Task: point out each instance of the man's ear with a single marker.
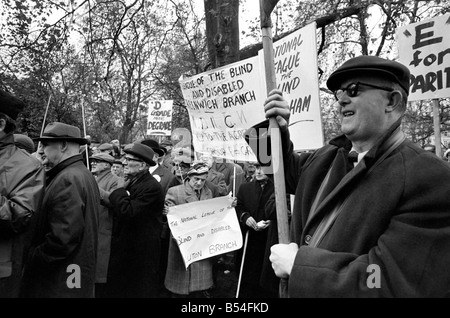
(2, 124)
(395, 100)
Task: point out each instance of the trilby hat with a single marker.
(103, 156)
(141, 151)
(154, 145)
(59, 131)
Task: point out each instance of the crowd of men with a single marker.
(370, 215)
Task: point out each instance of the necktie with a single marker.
(353, 156)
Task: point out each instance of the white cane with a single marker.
(242, 264)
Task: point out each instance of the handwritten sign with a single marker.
(160, 117)
(222, 105)
(425, 48)
(295, 58)
(205, 228)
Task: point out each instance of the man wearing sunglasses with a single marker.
(137, 224)
(378, 226)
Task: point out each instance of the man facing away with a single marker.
(22, 184)
(378, 226)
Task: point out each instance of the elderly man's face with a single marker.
(99, 166)
(133, 165)
(197, 182)
(51, 153)
(363, 117)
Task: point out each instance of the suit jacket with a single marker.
(395, 215)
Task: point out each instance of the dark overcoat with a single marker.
(64, 247)
(136, 238)
(393, 225)
(251, 202)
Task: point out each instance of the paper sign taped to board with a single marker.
(204, 229)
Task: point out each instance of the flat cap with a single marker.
(24, 142)
(103, 156)
(105, 147)
(10, 105)
(366, 64)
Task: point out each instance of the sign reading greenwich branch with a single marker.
(424, 47)
(205, 229)
(222, 105)
(159, 117)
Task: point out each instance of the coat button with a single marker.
(307, 239)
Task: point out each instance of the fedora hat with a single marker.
(371, 65)
(141, 151)
(59, 131)
(154, 145)
(103, 156)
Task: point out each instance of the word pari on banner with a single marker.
(424, 47)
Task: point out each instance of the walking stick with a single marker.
(242, 264)
(85, 135)
(45, 118)
(266, 7)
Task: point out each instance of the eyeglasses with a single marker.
(132, 159)
(353, 88)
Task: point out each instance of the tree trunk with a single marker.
(222, 31)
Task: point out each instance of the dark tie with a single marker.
(353, 156)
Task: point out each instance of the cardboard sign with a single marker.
(424, 47)
(296, 70)
(205, 228)
(222, 105)
(160, 117)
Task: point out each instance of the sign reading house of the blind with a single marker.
(222, 105)
(425, 48)
(160, 117)
(295, 58)
(205, 229)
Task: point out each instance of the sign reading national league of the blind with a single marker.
(295, 58)
(424, 47)
(159, 117)
(203, 229)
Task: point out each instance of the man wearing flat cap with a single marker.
(101, 169)
(22, 184)
(371, 215)
(137, 223)
(197, 279)
(62, 257)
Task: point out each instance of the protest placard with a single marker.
(159, 117)
(425, 48)
(222, 105)
(296, 71)
(205, 228)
